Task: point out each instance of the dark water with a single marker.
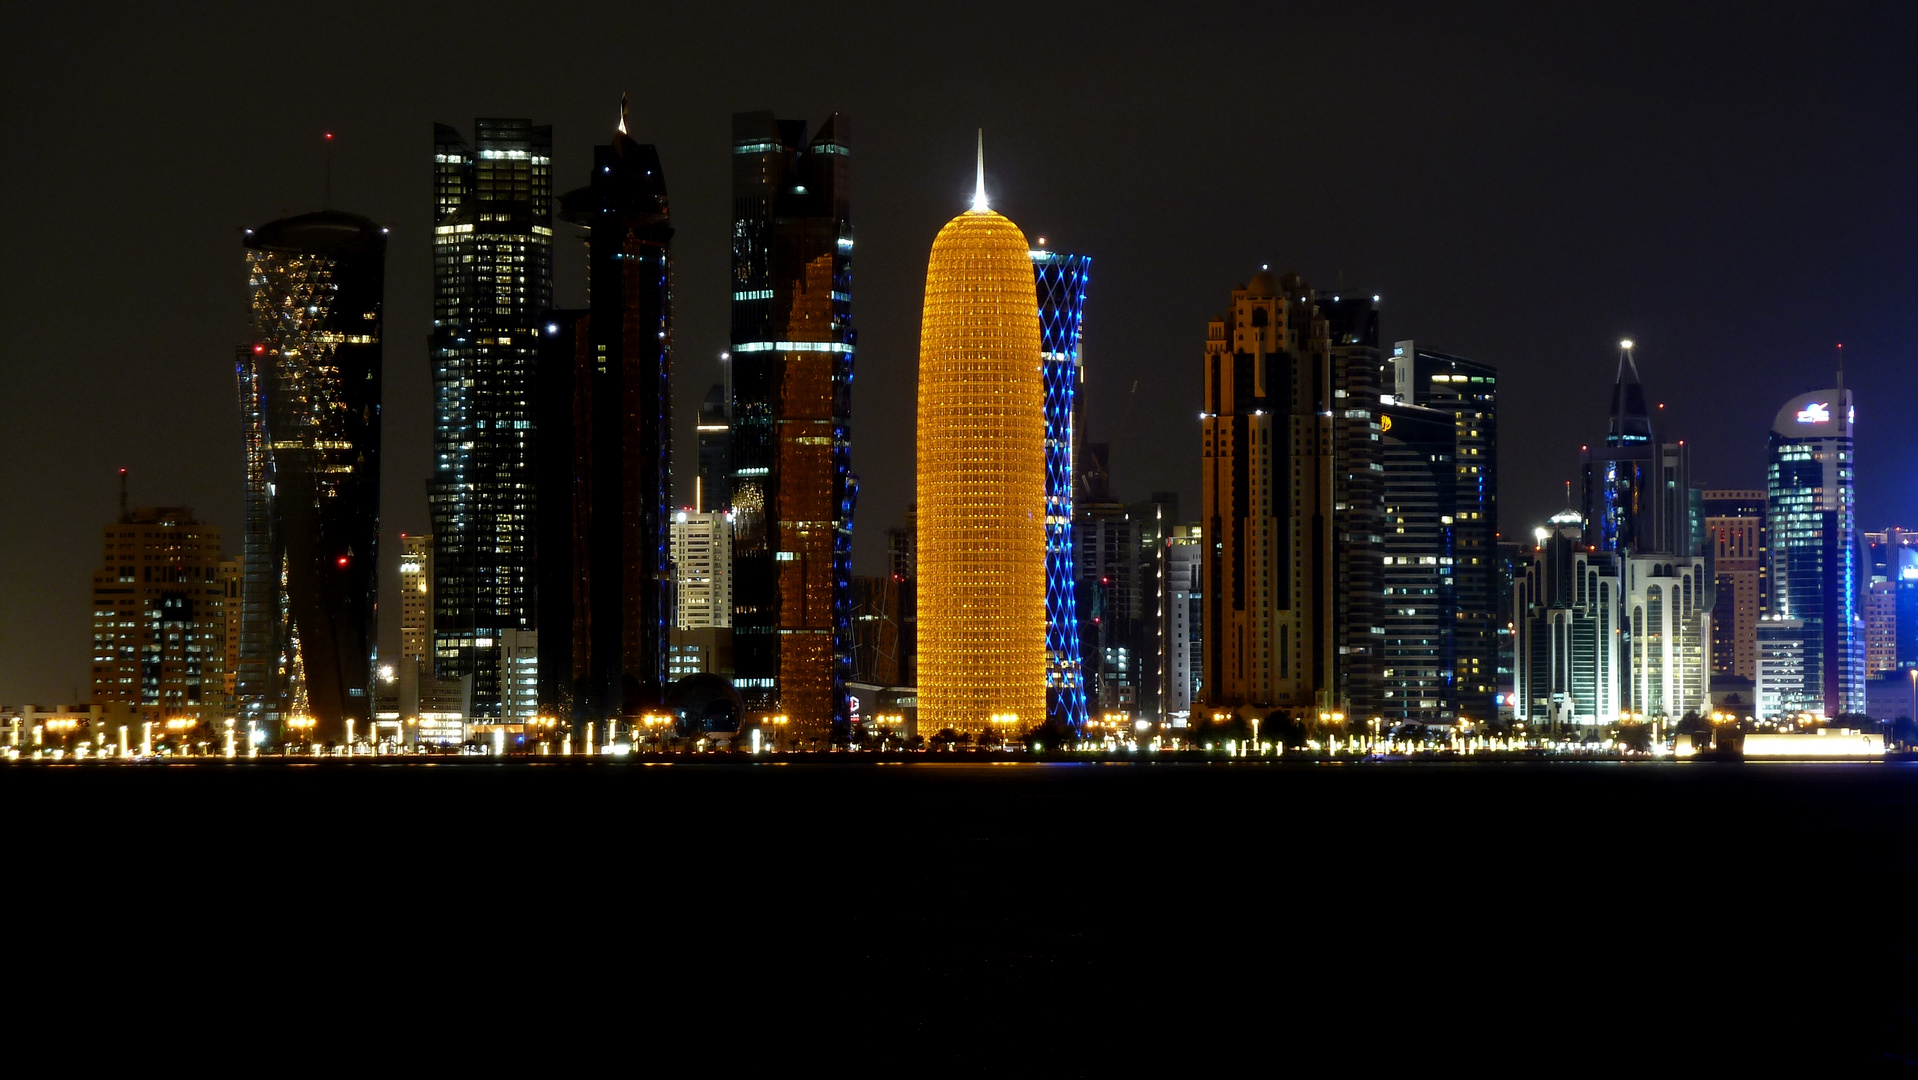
(1097, 917)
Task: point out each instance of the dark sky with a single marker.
(1733, 187)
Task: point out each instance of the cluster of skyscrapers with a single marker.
(1656, 599)
(1345, 564)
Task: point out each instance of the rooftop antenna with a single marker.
(1568, 494)
(979, 192)
(1841, 374)
(622, 114)
(125, 515)
(327, 203)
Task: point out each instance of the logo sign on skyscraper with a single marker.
(1815, 412)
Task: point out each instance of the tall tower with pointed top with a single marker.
(605, 450)
(982, 481)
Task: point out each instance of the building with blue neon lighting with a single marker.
(1813, 539)
(793, 491)
(1061, 281)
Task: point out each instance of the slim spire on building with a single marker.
(982, 481)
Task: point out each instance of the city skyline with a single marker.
(1545, 337)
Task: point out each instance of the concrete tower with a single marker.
(982, 483)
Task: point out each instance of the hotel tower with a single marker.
(982, 481)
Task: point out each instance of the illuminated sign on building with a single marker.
(1816, 412)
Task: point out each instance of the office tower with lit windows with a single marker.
(492, 279)
(160, 617)
(1267, 483)
(1358, 497)
(310, 411)
(703, 568)
(715, 431)
(793, 491)
(1813, 551)
(982, 481)
(605, 451)
(1419, 593)
(1468, 391)
(1735, 533)
(1061, 279)
(1569, 662)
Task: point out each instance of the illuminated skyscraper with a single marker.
(982, 481)
(793, 491)
(703, 569)
(1061, 282)
(310, 409)
(1267, 572)
(1813, 536)
(605, 569)
(492, 278)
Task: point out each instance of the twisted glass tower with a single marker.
(982, 481)
(310, 402)
(1061, 283)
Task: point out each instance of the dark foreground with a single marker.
(1094, 917)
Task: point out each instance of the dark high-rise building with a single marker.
(1358, 494)
(1813, 536)
(1268, 573)
(1468, 390)
(1061, 282)
(715, 450)
(792, 360)
(1420, 597)
(492, 280)
(605, 450)
(310, 409)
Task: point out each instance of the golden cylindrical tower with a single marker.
(982, 541)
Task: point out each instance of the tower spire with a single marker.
(622, 114)
(979, 192)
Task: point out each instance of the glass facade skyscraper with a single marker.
(1061, 282)
(793, 492)
(605, 451)
(310, 411)
(492, 279)
(1812, 535)
(1468, 391)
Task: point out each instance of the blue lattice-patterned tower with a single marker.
(1061, 281)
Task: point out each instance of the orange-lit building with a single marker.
(981, 490)
(792, 363)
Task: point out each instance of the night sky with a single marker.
(1733, 189)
